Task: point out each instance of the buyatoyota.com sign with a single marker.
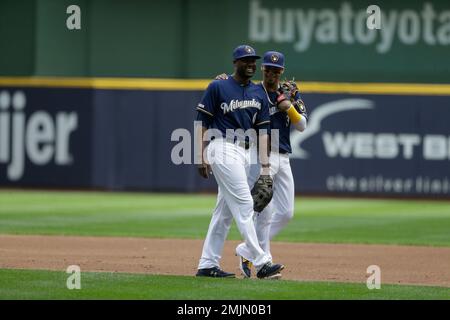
(334, 41)
(303, 26)
(374, 144)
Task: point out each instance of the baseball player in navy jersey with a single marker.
(283, 114)
(234, 105)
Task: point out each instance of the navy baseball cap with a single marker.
(244, 51)
(273, 59)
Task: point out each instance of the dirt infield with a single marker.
(305, 262)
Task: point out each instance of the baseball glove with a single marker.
(262, 192)
(289, 89)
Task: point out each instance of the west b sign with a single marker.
(375, 144)
(369, 145)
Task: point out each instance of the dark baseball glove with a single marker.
(262, 192)
(289, 89)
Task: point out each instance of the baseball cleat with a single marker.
(245, 267)
(269, 270)
(214, 272)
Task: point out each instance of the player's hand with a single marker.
(283, 102)
(204, 170)
(222, 76)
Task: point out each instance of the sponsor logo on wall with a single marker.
(304, 26)
(367, 145)
(40, 137)
(375, 152)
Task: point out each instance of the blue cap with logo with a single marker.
(244, 51)
(273, 59)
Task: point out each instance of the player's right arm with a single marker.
(262, 124)
(205, 116)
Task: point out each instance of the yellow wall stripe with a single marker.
(376, 88)
(201, 84)
(106, 83)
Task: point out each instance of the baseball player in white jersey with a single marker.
(232, 105)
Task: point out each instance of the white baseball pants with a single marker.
(231, 165)
(280, 210)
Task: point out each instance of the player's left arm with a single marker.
(289, 100)
(262, 191)
(300, 108)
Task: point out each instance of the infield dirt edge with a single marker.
(408, 265)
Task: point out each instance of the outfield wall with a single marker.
(116, 134)
(322, 40)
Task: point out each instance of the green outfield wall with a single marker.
(322, 40)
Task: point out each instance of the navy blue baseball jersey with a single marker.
(280, 120)
(226, 104)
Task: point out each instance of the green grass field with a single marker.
(187, 216)
(326, 220)
(32, 284)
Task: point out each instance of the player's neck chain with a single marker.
(267, 95)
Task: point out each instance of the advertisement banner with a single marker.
(354, 144)
(347, 40)
(45, 137)
(374, 144)
(338, 41)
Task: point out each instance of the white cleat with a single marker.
(276, 276)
